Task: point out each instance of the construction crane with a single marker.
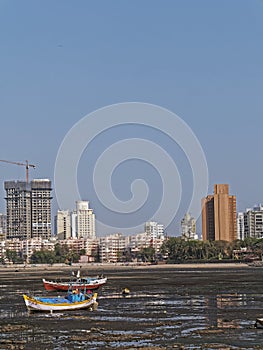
(26, 164)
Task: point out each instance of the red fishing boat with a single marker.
(83, 283)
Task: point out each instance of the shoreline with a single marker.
(111, 266)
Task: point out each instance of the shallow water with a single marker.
(167, 309)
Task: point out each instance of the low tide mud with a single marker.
(167, 308)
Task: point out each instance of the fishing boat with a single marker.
(83, 283)
(259, 323)
(72, 301)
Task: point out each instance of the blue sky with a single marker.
(61, 60)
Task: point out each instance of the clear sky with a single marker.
(202, 60)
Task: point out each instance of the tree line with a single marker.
(177, 250)
(60, 254)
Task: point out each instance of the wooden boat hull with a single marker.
(59, 304)
(60, 286)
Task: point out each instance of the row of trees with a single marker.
(173, 250)
(61, 254)
(177, 250)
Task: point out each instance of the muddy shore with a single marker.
(204, 306)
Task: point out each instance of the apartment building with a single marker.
(240, 226)
(139, 241)
(41, 208)
(2, 226)
(10, 245)
(253, 222)
(84, 225)
(18, 210)
(112, 247)
(219, 215)
(2, 250)
(188, 227)
(25, 248)
(154, 229)
(63, 224)
(28, 209)
(89, 246)
(143, 240)
(28, 247)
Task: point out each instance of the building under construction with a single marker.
(28, 209)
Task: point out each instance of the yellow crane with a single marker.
(26, 164)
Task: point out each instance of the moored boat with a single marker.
(259, 323)
(72, 301)
(84, 283)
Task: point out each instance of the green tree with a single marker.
(147, 254)
(61, 253)
(13, 257)
(43, 256)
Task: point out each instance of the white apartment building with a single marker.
(253, 222)
(2, 250)
(139, 241)
(74, 230)
(112, 247)
(28, 247)
(188, 227)
(63, 224)
(240, 226)
(12, 245)
(144, 240)
(153, 229)
(92, 248)
(84, 225)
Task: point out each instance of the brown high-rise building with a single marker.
(219, 215)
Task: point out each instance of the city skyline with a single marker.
(200, 60)
(80, 222)
(28, 215)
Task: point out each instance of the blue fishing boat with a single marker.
(72, 301)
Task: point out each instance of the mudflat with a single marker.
(200, 306)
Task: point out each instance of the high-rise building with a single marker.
(253, 222)
(240, 226)
(74, 230)
(18, 210)
(2, 225)
(63, 224)
(41, 208)
(188, 227)
(219, 215)
(85, 220)
(28, 209)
